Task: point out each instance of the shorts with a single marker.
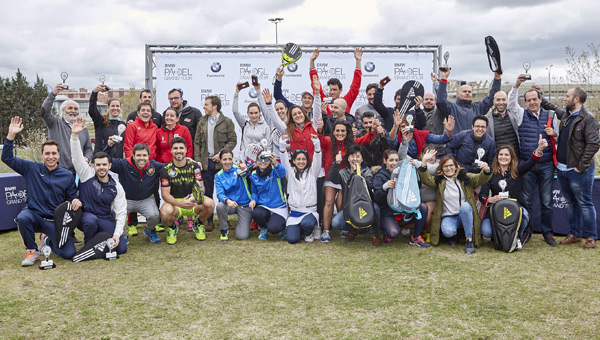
(329, 183)
(183, 211)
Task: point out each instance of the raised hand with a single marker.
(338, 157)
(16, 126)
(358, 53)
(484, 166)
(99, 88)
(57, 89)
(314, 55)
(78, 126)
(267, 96)
(280, 72)
(542, 143)
(418, 101)
(429, 155)
(449, 124)
(445, 74)
(316, 84)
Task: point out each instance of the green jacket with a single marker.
(224, 137)
(468, 181)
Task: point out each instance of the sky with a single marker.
(88, 39)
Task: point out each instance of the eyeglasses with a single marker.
(448, 166)
(262, 159)
(174, 98)
(483, 127)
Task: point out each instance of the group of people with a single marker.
(467, 156)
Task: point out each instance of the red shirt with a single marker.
(164, 137)
(140, 132)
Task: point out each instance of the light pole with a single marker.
(276, 21)
(549, 83)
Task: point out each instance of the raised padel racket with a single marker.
(409, 91)
(493, 54)
(290, 54)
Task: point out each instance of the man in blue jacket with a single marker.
(471, 147)
(48, 185)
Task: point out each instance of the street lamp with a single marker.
(549, 84)
(276, 21)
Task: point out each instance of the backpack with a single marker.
(65, 221)
(505, 217)
(406, 197)
(358, 207)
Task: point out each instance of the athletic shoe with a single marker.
(198, 229)
(32, 256)
(375, 240)
(172, 234)
(317, 232)
(325, 236)
(405, 231)
(452, 241)
(253, 226)
(283, 234)
(210, 226)
(43, 241)
(152, 236)
(387, 240)
(159, 228)
(550, 241)
(469, 247)
(263, 234)
(310, 237)
(418, 242)
(178, 222)
(132, 230)
(344, 233)
(190, 225)
(224, 235)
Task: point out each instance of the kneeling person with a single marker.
(178, 178)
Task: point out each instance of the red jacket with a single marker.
(419, 136)
(327, 149)
(138, 132)
(300, 139)
(350, 97)
(164, 137)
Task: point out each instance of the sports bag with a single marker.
(358, 206)
(407, 193)
(505, 217)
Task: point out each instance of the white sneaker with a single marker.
(317, 232)
(343, 233)
(32, 256)
(325, 236)
(405, 231)
(309, 238)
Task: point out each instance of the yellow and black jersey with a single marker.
(181, 180)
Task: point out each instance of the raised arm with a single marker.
(93, 108)
(277, 93)
(235, 108)
(316, 101)
(82, 169)
(46, 111)
(271, 117)
(484, 106)
(120, 209)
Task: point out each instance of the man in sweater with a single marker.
(503, 127)
(368, 107)
(533, 122)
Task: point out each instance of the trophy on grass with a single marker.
(64, 76)
(110, 254)
(526, 67)
(445, 67)
(47, 263)
(480, 154)
(502, 185)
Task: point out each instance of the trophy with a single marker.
(47, 264)
(64, 76)
(265, 144)
(527, 66)
(502, 184)
(480, 154)
(110, 255)
(102, 80)
(120, 130)
(410, 127)
(327, 99)
(445, 67)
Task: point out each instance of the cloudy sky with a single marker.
(88, 39)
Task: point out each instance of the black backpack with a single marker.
(505, 217)
(357, 203)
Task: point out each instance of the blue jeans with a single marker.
(339, 223)
(208, 177)
(542, 174)
(576, 187)
(30, 222)
(486, 225)
(450, 224)
(296, 231)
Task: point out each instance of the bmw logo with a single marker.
(292, 67)
(215, 67)
(370, 66)
(253, 93)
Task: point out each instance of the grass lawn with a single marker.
(272, 290)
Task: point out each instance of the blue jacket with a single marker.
(267, 191)
(138, 184)
(529, 134)
(97, 197)
(465, 110)
(463, 147)
(45, 189)
(380, 194)
(230, 186)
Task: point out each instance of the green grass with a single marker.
(272, 290)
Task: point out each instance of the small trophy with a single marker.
(47, 264)
(64, 76)
(102, 80)
(445, 67)
(410, 127)
(502, 184)
(120, 130)
(480, 154)
(265, 145)
(110, 255)
(327, 99)
(527, 66)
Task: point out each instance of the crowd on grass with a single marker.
(298, 161)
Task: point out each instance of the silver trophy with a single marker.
(480, 154)
(102, 80)
(526, 67)
(64, 76)
(445, 67)
(327, 99)
(110, 255)
(120, 130)
(266, 153)
(502, 185)
(47, 264)
(410, 127)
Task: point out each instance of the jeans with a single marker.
(486, 225)
(339, 223)
(576, 187)
(242, 231)
(266, 219)
(450, 224)
(92, 224)
(306, 226)
(208, 177)
(542, 174)
(30, 222)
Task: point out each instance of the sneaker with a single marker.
(550, 241)
(172, 234)
(32, 256)
(253, 226)
(159, 228)
(198, 229)
(351, 236)
(132, 230)
(387, 240)
(263, 234)
(344, 233)
(419, 241)
(469, 247)
(224, 235)
(310, 237)
(317, 232)
(283, 234)
(43, 241)
(152, 236)
(325, 236)
(405, 231)
(375, 240)
(190, 225)
(452, 241)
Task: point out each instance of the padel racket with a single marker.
(409, 91)
(290, 54)
(493, 54)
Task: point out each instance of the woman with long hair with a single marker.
(253, 125)
(107, 125)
